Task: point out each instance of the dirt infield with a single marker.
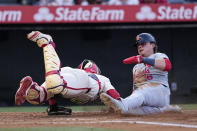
(186, 120)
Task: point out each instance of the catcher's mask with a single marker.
(89, 66)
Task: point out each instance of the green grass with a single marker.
(43, 108)
(75, 108)
(188, 106)
(58, 129)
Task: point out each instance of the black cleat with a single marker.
(58, 110)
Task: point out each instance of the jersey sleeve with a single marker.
(161, 55)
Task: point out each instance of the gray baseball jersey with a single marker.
(144, 73)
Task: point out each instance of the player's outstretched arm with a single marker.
(159, 63)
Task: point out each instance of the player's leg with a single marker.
(171, 108)
(144, 110)
(157, 96)
(151, 96)
(148, 110)
(123, 106)
(54, 82)
(156, 99)
(30, 91)
(117, 105)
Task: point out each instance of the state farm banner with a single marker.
(98, 14)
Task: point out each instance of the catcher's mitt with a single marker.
(58, 110)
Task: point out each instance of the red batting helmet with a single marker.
(89, 66)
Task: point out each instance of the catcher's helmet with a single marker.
(143, 38)
(89, 66)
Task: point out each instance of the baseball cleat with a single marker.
(117, 105)
(172, 108)
(35, 36)
(25, 85)
(58, 110)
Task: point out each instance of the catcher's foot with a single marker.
(25, 85)
(117, 105)
(40, 38)
(58, 110)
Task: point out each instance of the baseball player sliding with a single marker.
(81, 85)
(151, 93)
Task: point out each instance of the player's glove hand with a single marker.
(133, 60)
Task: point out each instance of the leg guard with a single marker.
(36, 94)
(30, 91)
(54, 82)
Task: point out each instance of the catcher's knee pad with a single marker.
(55, 84)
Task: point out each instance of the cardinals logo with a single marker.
(138, 38)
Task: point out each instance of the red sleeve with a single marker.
(114, 94)
(168, 65)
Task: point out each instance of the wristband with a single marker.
(149, 61)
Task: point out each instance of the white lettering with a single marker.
(118, 15)
(101, 15)
(195, 12)
(72, 15)
(10, 16)
(188, 14)
(94, 12)
(66, 13)
(176, 13)
(161, 11)
(168, 12)
(79, 14)
(181, 12)
(60, 14)
(84, 15)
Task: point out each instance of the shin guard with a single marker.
(36, 94)
(54, 82)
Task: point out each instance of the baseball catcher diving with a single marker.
(80, 85)
(151, 93)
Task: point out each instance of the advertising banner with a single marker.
(98, 14)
